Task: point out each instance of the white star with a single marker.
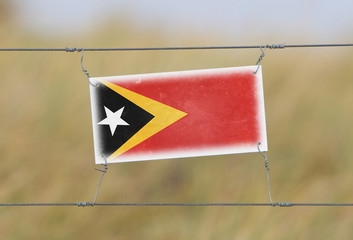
(113, 119)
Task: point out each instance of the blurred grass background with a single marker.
(46, 145)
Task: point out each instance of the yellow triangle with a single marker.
(163, 117)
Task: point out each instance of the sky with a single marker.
(319, 21)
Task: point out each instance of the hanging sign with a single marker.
(178, 114)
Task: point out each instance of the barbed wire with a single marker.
(267, 46)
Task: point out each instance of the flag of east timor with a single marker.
(178, 114)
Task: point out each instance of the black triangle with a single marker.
(135, 116)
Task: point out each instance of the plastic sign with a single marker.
(178, 114)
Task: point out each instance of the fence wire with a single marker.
(267, 46)
(89, 204)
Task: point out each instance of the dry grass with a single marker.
(47, 153)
